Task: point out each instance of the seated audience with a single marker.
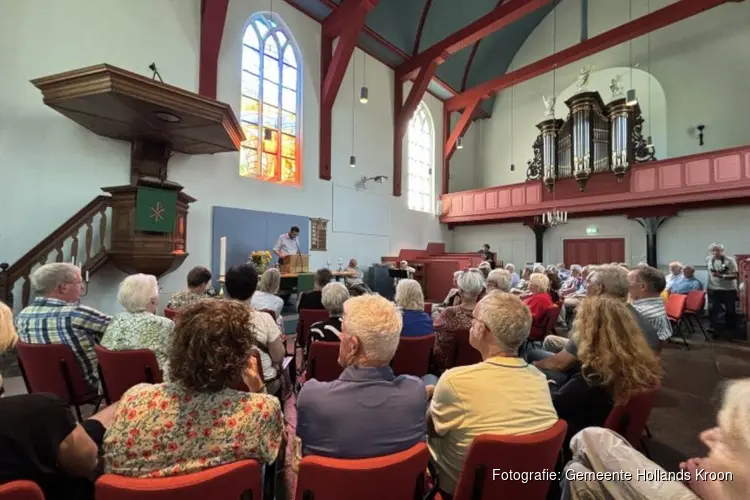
(498, 279)
(523, 283)
(409, 298)
(56, 317)
(452, 299)
(354, 281)
(485, 269)
(538, 300)
(562, 271)
(501, 395)
(314, 299)
(138, 327)
(41, 441)
(372, 412)
(675, 272)
(554, 285)
(197, 421)
(240, 283)
(334, 296)
(514, 278)
(615, 363)
(450, 319)
(8, 335)
(573, 281)
(645, 285)
(685, 283)
(404, 266)
(559, 357)
(198, 283)
(265, 297)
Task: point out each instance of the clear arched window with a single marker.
(271, 83)
(421, 183)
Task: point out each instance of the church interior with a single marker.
(448, 174)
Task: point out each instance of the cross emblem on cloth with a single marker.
(157, 212)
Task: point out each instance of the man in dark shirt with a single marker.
(40, 441)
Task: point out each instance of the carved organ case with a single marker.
(593, 138)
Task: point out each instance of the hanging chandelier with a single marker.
(552, 218)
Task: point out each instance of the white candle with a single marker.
(87, 276)
(73, 261)
(223, 256)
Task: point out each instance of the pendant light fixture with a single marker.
(267, 131)
(353, 158)
(512, 91)
(649, 141)
(630, 97)
(364, 93)
(460, 143)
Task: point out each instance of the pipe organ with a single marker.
(593, 138)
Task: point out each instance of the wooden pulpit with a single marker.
(296, 264)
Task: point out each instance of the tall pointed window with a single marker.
(421, 181)
(271, 82)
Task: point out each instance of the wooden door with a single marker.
(588, 251)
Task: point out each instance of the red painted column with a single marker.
(213, 16)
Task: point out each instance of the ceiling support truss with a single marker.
(450, 141)
(213, 16)
(345, 23)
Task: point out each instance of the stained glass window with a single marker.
(269, 110)
(421, 182)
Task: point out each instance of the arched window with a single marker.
(421, 183)
(271, 82)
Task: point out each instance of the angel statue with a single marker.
(583, 78)
(549, 105)
(617, 87)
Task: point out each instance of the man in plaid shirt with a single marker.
(54, 316)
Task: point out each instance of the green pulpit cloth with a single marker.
(155, 210)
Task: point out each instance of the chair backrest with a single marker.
(230, 482)
(464, 354)
(52, 368)
(535, 452)
(269, 311)
(629, 420)
(428, 307)
(546, 324)
(171, 313)
(21, 490)
(696, 301)
(675, 306)
(121, 370)
(413, 355)
(240, 385)
(323, 361)
(306, 318)
(396, 477)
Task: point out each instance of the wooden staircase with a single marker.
(91, 224)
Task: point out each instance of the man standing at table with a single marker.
(287, 245)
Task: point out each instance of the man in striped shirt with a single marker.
(645, 285)
(55, 317)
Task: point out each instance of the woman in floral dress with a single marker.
(196, 421)
(470, 286)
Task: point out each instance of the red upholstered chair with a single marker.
(464, 354)
(239, 385)
(230, 482)
(396, 477)
(413, 355)
(694, 305)
(526, 453)
(629, 420)
(306, 318)
(428, 308)
(675, 312)
(21, 490)
(121, 370)
(53, 368)
(171, 313)
(546, 325)
(323, 361)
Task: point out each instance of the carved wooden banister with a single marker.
(56, 242)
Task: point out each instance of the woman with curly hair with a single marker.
(615, 363)
(196, 421)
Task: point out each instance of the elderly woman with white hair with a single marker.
(410, 299)
(334, 296)
(498, 279)
(452, 299)
(470, 286)
(675, 271)
(514, 277)
(538, 300)
(265, 298)
(138, 327)
(368, 411)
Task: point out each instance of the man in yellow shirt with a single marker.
(502, 395)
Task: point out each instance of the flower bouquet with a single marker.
(261, 259)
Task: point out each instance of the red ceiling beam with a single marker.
(450, 141)
(496, 19)
(422, 20)
(633, 29)
(213, 15)
(402, 113)
(346, 23)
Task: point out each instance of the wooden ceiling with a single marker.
(119, 104)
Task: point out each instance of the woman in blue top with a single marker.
(410, 300)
